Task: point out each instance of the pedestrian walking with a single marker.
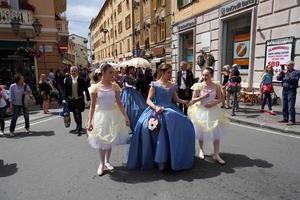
(185, 80)
(109, 124)
(51, 76)
(3, 105)
(74, 88)
(233, 87)
(163, 135)
(289, 78)
(266, 86)
(45, 90)
(226, 72)
(17, 91)
(133, 101)
(208, 118)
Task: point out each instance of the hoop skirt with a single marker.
(134, 104)
(109, 126)
(209, 123)
(173, 145)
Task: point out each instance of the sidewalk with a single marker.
(251, 115)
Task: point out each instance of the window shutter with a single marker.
(154, 3)
(163, 31)
(163, 3)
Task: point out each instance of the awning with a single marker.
(15, 44)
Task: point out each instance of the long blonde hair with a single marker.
(43, 78)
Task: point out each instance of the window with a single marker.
(128, 45)
(120, 8)
(154, 33)
(120, 27)
(182, 3)
(163, 31)
(121, 50)
(127, 22)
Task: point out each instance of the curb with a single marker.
(262, 125)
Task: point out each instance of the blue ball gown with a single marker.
(133, 101)
(173, 145)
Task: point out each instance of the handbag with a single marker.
(267, 88)
(65, 113)
(153, 123)
(28, 100)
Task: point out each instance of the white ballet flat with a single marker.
(108, 166)
(201, 155)
(100, 170)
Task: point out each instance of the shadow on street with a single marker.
(7, 169)
(202, 169)
(19, 135)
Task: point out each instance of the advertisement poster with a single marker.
(241, 50)
(278, 53)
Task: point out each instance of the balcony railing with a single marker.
(25, 17)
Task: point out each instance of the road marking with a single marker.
(48, 119)
(267, 131)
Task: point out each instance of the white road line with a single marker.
(267, 131)
(48, 119)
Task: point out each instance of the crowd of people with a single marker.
(164, 118)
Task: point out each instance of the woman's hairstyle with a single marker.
(18, 77)
(163, 68)
(210, 70)
(105, 67)
(266, 70)
(43, 78)
(127, 69)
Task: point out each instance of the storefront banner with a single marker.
(236, 6)
(241, 50)
(278, 53)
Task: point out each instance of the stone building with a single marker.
(111, 32)
(250, 33)
(78, 50)
(152, 30)
(27, 29)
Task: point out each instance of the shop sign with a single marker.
(241, 50)
(187, 25)
(159, 51)
(279, 52)
(236, 6)
(46, 48)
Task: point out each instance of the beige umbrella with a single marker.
(124, 63)
(139, 62)
(114, 65)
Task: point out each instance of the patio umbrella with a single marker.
(124, 63)
(139, 62)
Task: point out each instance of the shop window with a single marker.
(128, 22)
(187, 48)
(182, 3)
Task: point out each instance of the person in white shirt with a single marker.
(185, 80)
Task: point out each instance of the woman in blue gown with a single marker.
(173, 145)
(133, 101)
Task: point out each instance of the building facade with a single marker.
(251, 33)
(152, 30)
(33, 36)
(78, 50)
(112, 33)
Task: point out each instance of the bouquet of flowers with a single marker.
(153, 124)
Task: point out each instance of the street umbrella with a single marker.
(139, 62)
(124, 63)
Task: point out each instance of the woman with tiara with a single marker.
(108, 123)
(208, 118)
(163, 135)
(132, 100)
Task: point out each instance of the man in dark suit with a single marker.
(74, 87)
(185, 80)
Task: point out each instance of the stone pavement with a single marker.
(251, 115)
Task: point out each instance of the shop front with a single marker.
(183, 44)
(15, 58)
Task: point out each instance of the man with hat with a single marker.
(290, 78)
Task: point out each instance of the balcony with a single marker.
(25, 17)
